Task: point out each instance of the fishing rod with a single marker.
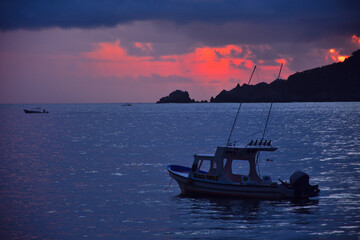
(237, 114)
(268, 116)
(267, 120)
(280, 70)
(266, 124)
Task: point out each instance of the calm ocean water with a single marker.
(98, 171)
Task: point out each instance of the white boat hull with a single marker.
(199, 187)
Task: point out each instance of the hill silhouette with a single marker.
(335, 82)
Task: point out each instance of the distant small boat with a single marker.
(36, 110)
(127, 105)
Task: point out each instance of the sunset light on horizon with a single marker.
(141, 60)
(209, 65)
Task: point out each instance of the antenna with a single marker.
(242, 100)
(280, 70)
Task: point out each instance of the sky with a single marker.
(76, 51)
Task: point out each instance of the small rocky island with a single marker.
(177, 96)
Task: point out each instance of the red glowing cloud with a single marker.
(334, 55)
(144, 46)
(356, 39)
(114, 71)
(215, 66)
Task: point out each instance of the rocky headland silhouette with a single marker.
(331, 83)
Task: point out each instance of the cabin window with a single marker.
(213, 164)
(204, 165)
(233, 169)
(240, 167)
(207, 166)
(212, 170)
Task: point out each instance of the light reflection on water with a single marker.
(99, 171)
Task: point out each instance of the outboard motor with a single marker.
(300, 182)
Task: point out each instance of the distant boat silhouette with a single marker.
(36, 110)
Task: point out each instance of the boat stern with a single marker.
(301, 184)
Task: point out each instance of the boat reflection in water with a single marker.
(224, 218)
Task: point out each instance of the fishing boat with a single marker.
(35, 110)
(220, 180)
(214, 175)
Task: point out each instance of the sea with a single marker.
(99, 171)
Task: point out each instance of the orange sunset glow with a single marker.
(208, 65)
(356, 39)
(335, 55)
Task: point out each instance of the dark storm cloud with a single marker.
(37, 14)
(266, 30)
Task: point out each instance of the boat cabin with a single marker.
(220, 167)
